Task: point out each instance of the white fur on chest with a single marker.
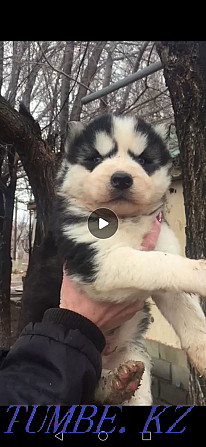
(130, 234)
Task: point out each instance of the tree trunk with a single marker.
(86, 79)
(7, 193)
(65, 88)
(19, 48)
(185, 74)
(33, 70)
(1, 63)
(103, 108)
(40, 165)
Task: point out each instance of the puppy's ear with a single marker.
(163, 131)
(74, 128)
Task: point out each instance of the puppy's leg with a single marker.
(185, 314)
(148, 272)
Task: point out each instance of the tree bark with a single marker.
(185, 74)
(7, 193)
(1, 63)
(38, 162)
(40, 165)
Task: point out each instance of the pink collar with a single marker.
(159, 217)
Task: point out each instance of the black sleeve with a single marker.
(57, 361)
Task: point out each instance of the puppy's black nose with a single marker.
(121, 180)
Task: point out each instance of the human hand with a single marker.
(105, 315)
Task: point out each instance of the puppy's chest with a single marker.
(86, 254)
(128, 234)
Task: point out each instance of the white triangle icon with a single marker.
(59, 436)
(102, 223)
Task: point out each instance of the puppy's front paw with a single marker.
(126, 380)
(118, 386)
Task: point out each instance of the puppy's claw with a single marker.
(126, 380)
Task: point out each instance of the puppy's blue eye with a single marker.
(141, 161)
(96, 159)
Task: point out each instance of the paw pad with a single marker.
(127, 378)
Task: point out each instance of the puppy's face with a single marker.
(118, 163)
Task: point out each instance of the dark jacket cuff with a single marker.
(73, 320)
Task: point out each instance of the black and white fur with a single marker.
(116, 269)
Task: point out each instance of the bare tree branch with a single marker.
(32, 74)
(87, 77)
(128, 88)
(62, 72)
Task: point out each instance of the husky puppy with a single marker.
(123, 164)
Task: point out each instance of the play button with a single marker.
(103, 223)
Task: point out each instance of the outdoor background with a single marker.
(42, 86)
